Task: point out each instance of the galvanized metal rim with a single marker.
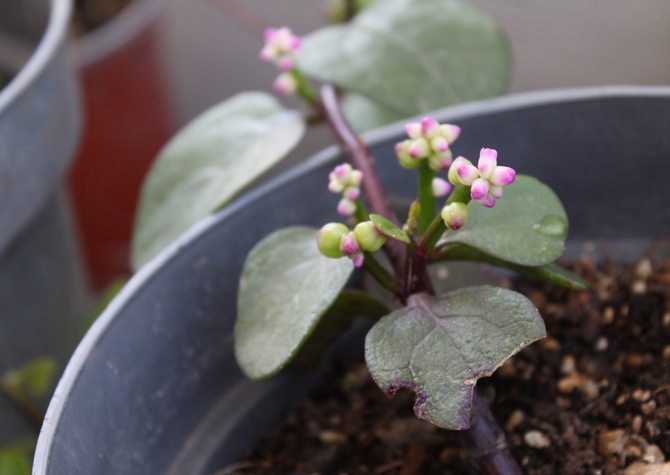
(53, 38)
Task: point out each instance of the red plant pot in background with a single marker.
(127, 120)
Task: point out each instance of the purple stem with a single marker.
(363, 161)
(485, 441)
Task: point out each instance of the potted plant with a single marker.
(43, 299)
(203, 411)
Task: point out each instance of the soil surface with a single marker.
(591, 398)
(91, 14)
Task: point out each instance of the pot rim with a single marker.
(147, 272)
(52, 39)
(114, 35)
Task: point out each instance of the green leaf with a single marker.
(286, 287)
(349, 305)
(14, 461)
(208, 163)
(552, 273)
(412, 55)
(365, 114)
(527, 226)
(33, 379)
(387, 228)
(439, 347)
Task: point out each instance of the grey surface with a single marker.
(154, 388)
(42, 291)
(39, 116)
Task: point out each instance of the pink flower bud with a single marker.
(402, 152)
(453, 174)
(346, 207)
(358, 261)
(413, 130)
(480, 188)
(349, 245)
(488, 159)
(429, 127)
(455, 215)
(489, 201)
(450, 132)
(335, 186)
(352, 193)
(502, 176)
(269, 34)
(419, 148)
(496, 192)
(268, 53)
(467, 172)
(440, 187)
(356, 177)
(286, 63)
(439, 144)
(440, 161)
(285, 84)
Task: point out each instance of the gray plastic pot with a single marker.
(42, 292)
(154, 387)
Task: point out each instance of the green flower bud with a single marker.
(328, 239)
(455, 215)
(369, 237)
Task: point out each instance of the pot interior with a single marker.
(154, 387)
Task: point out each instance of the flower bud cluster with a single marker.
(281, 47)
(486, 180)
(427, 140)
(344, 179)
(335, 240)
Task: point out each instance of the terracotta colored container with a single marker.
(126, 122)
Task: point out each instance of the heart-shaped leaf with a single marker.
(439, 347)
(209, 162)
(387, 228)
(527, 226)
(286, 287)
(412, 55)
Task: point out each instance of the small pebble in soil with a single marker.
(536, 439)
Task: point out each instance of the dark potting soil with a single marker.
(591, 398)
(91, 14)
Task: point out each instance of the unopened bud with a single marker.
(328, 239)
(440, 187)
(346, 207)
(369, 237)
(349, 245)
(455, 215)
(402, 152)
(285, 84)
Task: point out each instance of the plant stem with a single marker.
(381, 275)
(437, 228)
(485, 441)
(304, 89)
(25, 407)
(361, 214)
(426, 198)
(362, 160)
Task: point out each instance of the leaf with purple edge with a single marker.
(439, 346)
